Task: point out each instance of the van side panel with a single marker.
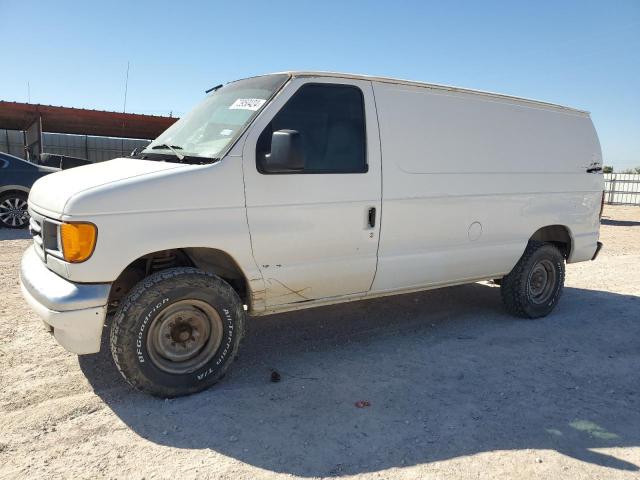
(467, 179)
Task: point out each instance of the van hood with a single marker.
(52, 192)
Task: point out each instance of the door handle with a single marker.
(371, 217)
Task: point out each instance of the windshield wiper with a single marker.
(190, 159)
(174, 149)
(213, 89)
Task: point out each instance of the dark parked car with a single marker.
(16, 178)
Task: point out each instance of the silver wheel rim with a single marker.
(13, 212)
(542, 281)
(184, 336)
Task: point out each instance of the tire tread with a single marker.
(121, 329)
(513, 285)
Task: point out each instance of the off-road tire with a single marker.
(134, 320)
(516, 289)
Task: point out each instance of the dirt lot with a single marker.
(458, 389)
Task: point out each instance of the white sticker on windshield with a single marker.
(247, 104)
(226, 132)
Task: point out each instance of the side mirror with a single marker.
(286, 152)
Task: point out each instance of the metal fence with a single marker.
(12, 142)
(94, 149)
(622, 188)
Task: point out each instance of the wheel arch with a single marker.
(13, 188)
(559, 235)
(211, 260)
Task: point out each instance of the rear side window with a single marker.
(330, 121)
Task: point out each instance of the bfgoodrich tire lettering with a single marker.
(534, 286)
(160, 301)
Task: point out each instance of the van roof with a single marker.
(434, 86)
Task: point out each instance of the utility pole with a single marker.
(126, 85)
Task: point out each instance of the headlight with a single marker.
(78, 241)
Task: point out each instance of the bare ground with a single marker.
(458, 389)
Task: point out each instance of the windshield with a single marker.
(212, 125)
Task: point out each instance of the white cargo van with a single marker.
(299, 189)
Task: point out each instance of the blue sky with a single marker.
(583, 54)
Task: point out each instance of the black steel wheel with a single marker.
(542, 281)
(184, 336)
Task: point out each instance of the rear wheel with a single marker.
(13, 210)
(177, 332)
(534, 286)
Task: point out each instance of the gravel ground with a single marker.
(457, 389)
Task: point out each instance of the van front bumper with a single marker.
(74, 311)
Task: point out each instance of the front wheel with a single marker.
(13, 210)
(177, 332)
(534, 286)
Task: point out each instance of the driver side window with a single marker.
(330, 122)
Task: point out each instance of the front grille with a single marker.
(35, 227)
(45, 235)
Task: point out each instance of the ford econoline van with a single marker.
(299, 189)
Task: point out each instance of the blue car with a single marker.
(16, 178)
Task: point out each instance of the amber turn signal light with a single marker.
(78, 241)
